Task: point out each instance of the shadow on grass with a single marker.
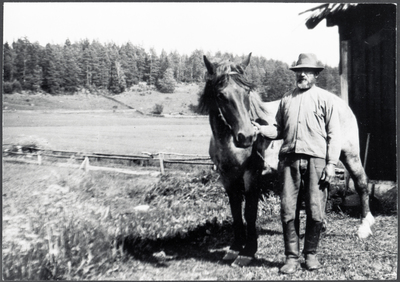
(206, 242)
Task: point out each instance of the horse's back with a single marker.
(263, 111)
(348, 127)
(272, 109)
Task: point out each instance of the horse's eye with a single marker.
(220, 96)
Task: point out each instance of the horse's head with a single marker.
(226, 95)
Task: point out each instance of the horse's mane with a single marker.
(223, 71)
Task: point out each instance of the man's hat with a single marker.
(307, 61)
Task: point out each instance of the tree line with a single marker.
(59, 69)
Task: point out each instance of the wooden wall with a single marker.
(368, 70)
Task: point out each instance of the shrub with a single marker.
(12, 87)
(7, 87)
(157, 109)
(16, 86)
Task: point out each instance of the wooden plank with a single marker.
(187, 162)
(179, 154)
(344, 70)
(161, 157)
(117, 157)
(388, 106)
(14, 160)
(120, 155)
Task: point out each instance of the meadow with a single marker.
(63, 223)
(108, 132)
(92, 123)
(67, 224)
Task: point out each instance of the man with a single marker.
(307, 120)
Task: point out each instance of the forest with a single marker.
(109, 68)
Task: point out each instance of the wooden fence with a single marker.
(35, 155)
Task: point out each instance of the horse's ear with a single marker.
(209, 66)
(246, 62)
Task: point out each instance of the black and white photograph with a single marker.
(199, 141)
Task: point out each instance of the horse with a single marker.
(242, 157)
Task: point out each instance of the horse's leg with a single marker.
(353, 164)
(250, 214)
(234, 191)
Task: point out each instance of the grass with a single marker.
(118, 133)
(61, 223)
(178, 102)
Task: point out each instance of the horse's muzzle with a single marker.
(243, 141)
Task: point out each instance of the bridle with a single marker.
(221, 115)
(251, 114)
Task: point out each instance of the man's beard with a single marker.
(304, 84)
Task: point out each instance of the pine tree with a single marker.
(71, 81)
(117, 83)
(140, 62)
(21, 59)
(195, 67)
(129, 64)
(152, 67)
(164, 63)
(176, 63)
(329, 80)
(95, 53)
(167, 83)
(104, 68)
(9, 64)
(86, 64)
(51, 74)
(278, 79)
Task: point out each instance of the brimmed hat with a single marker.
(307, 61)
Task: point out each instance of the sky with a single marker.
(272, 30)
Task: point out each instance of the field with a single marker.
(108, 132)
(91, 123)
(63, 223)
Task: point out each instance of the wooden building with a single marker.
(367, 34)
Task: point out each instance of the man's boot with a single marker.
(313, 231)
(291, 239)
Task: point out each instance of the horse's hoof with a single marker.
(230, 255)
(365, 228)
(242, 261)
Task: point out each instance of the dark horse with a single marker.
(241, 157)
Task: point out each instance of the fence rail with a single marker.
(28, 153)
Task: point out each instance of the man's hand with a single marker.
(268, 131)
(328, 173)
(256, 127)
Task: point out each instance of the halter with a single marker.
(221, 115)
(251, 113)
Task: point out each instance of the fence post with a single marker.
(161, 156)
(85, 164)
(39, 159)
